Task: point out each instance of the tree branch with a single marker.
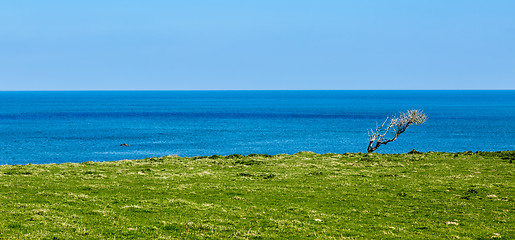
(398, 125)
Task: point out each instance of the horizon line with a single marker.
(207, 90)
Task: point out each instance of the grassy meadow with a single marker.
(300, 196)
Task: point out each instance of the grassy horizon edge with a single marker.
(432, 195)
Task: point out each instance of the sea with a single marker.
(39, 127)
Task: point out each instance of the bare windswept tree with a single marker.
(393, 127)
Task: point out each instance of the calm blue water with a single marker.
(56, 127)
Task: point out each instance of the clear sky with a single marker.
(257, 44)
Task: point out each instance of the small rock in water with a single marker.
(124, 144)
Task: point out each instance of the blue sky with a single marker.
(257, 44)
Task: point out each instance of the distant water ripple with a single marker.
(56, 127)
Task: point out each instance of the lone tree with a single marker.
(396, 126)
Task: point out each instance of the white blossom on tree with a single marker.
(393, 127)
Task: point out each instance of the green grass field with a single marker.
(301, 196)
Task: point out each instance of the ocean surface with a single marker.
(79, 126)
